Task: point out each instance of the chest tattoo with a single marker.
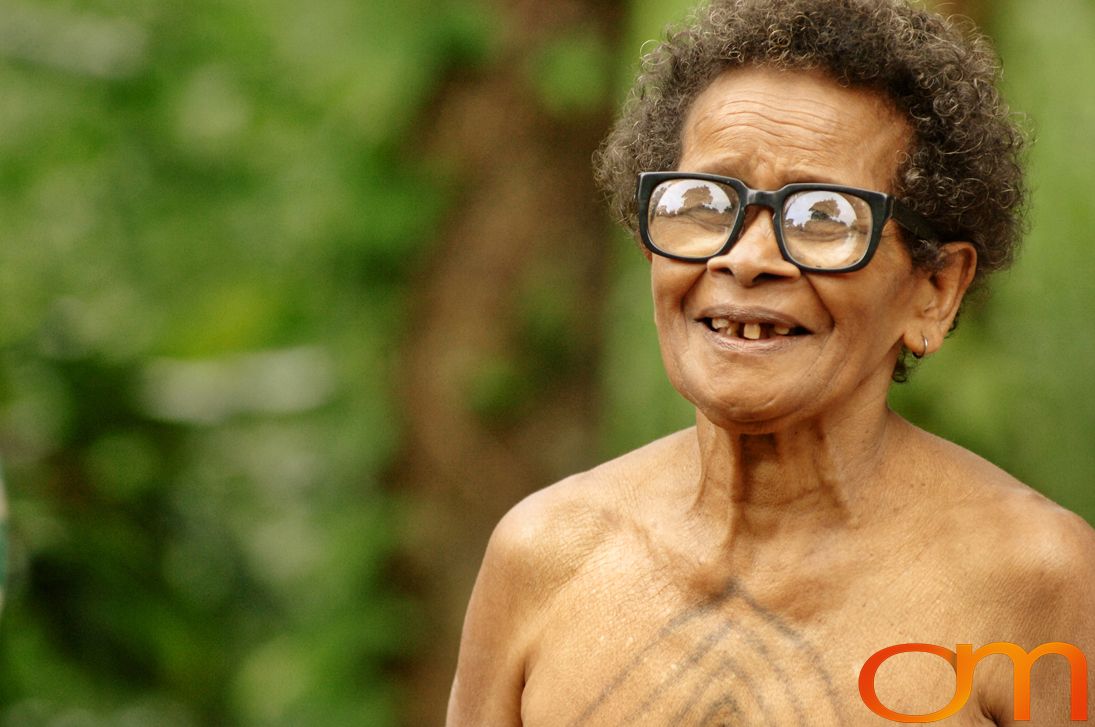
(741, 664)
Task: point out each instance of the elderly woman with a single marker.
(819, 182)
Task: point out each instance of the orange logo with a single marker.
(964, 662)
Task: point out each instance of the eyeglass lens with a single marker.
(821, 228)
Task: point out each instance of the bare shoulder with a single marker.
(1037, 552)
(547, 537)
(1018, 569)
(536, 549)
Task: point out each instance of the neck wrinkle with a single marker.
(761, 484)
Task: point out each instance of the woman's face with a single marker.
(771, 128)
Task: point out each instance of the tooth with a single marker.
(732, 328)
(781, 330)
(751, 331)
(719, 323)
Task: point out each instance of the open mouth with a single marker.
(752, 330)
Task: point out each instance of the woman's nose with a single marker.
(755, 256)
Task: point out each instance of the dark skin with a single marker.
(742, 571)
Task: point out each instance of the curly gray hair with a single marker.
(963, 169)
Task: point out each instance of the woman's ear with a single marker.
(939, 298)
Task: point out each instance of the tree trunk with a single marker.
(499, 360)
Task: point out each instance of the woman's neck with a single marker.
(813, 474)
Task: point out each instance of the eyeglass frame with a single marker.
(883, 208)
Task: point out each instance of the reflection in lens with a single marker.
(692, 217)
(825, 229)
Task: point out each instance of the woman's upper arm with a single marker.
(1059, 586)
(495, 642)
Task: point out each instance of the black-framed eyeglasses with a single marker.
(821, 228)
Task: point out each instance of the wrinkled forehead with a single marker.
(794, 125)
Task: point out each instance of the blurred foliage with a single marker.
(572, 74)
(209, 226)
(214, 216)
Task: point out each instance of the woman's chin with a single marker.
(750, 414)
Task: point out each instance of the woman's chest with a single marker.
(615, 656)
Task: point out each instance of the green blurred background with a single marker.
(297, 299)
